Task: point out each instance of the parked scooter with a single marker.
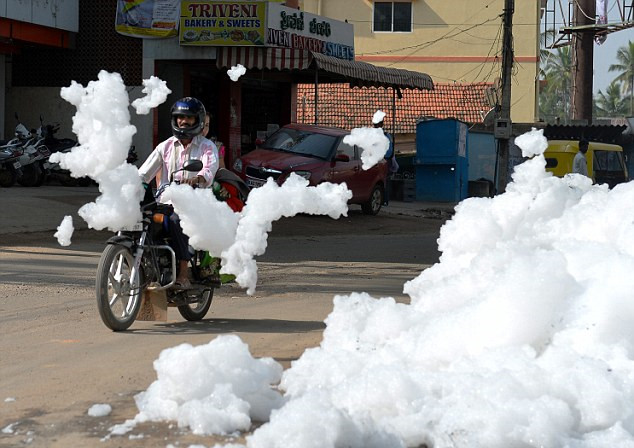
(32, 154)
(53, 172)
(10, 154)
(10, 164)
(53, 143)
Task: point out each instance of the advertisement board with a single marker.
(147, 18)
(235, 23)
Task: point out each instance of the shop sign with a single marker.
(290, 28)
(223, 23)
(147, 18)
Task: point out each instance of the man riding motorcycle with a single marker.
(187, 121)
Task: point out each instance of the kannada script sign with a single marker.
(290, 28)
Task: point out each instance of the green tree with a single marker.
(612, 103)
(554, 97)
(625, 65)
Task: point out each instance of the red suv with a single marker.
(318, 154)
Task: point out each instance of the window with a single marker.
(551, 162)
(345, 149)
(301, 142)
(607, 161)
(392, 16)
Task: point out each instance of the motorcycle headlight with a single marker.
(237, 165)
(304, 174)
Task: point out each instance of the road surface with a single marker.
(57, 359)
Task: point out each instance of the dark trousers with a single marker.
(179, 241)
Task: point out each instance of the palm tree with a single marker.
(625, 58)
(611, 103)
(554, 99)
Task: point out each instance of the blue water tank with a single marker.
(442, 167)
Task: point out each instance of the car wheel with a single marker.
(375, 202)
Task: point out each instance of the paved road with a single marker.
(43, 208)
(58, 359)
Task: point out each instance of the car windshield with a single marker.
(301, 142)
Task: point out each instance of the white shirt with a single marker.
(170, 155)
(579, 164)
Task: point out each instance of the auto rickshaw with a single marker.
(606, 163)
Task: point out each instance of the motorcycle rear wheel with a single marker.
(8, 178)
(118, 295)
(196, 311)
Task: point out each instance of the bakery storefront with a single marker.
(279, 46)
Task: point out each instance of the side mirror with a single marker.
(193, 165)
(342, 158)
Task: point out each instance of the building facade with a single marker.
(457, 41)
(457, 49)
(27, 25)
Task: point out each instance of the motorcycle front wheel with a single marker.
(31, 175)
(198, 310)
(118, 293)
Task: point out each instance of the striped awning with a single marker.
(368, 75)
(263, 58)
(338, 70)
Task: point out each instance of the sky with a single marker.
(605, 55)
(520, 336)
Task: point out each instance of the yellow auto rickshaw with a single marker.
(606, 163)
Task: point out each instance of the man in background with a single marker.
(580, 164)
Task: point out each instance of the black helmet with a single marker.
(193, 108)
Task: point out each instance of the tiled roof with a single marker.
(345, 107)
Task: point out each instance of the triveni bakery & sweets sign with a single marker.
(223, 23)
(258, 23)
(290, 28)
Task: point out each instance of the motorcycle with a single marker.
(32, 154)
(52, 171)
(54, 144)
(140, 260)
(10, 167)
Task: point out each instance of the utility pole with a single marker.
(503, 126)
(583, 60)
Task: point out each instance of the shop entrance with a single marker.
(265, 107)
(204, 86)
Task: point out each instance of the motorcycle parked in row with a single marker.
(138, 261)
(10, 164)
(34, 155)
(26, 154)
(53, 171)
